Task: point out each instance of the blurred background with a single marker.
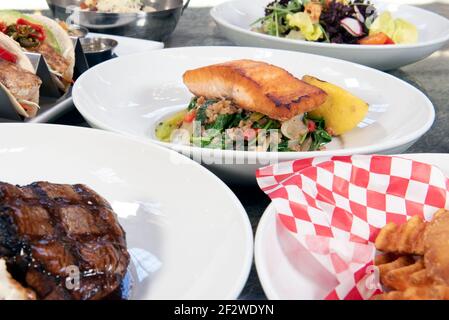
(42, 5)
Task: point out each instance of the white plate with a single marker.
(234, 19)
(188, 235)
(132, 94)
(283, 277)
(127, 45)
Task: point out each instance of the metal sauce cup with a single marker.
(98, 50)
(77, 31)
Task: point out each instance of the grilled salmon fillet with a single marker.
(255, 86)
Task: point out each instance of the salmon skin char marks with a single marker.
(51, 227)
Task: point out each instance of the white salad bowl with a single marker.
(133, 94)
(234, 18)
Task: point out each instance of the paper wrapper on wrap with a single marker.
(335, 207)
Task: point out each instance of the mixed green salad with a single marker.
(334, 21)
(213, 123)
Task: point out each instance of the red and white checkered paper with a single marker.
(335, 207)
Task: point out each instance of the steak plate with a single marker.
(62, 241)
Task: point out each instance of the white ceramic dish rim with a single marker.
(220, 20)
(262, 271)
(150, 44)
(249, 237)
(280, 155)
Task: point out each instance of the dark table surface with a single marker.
(431, 75)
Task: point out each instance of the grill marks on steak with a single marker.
(46, 228)
(9, 242)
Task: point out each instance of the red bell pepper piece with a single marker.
(190, 116)
(389, 41)
(40, 31)
(8, 56)
(311, 126)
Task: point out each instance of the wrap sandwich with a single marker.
(36, 33)
(17, 78)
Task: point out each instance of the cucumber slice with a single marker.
(165, 128)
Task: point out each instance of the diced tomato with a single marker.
(311, 126)
(8, 56)
(190, 116)
(39, 29)
(376, 39)
(389, 41)
(249, 134)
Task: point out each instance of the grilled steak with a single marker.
(48, 231)
(22, 84)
